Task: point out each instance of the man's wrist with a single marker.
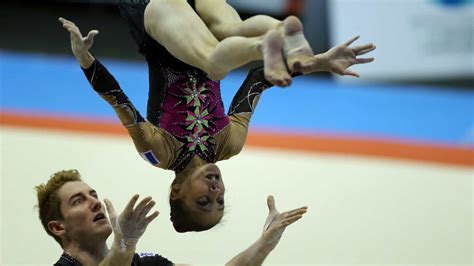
(125, 244)
(262, 247)
(118, 255)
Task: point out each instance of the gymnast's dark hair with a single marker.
(182, 219)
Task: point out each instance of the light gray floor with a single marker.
(361, 210)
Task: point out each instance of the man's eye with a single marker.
(77, 201)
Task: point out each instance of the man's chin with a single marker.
(105, 231)
(108, 231)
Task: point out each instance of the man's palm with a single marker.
(277, 222)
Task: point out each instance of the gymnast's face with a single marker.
(84, 217)
(203, 194)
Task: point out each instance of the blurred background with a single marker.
(385, 162)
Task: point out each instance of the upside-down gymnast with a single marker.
(187, 129)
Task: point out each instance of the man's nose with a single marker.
(96, 204)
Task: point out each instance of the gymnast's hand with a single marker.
(130, 225)
(339, 58)
(277, 222)
(80, 45)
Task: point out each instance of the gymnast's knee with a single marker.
(215, 72)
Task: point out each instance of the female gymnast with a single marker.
(187, 130)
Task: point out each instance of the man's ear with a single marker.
(56, 227)
(175, 191)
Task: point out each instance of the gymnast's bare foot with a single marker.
(298, 52)
(274, 64)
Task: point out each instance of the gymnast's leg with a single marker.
(197, 46)
(223, 21)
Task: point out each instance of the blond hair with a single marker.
(49, 205)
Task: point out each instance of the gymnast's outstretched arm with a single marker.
(99, 77)
(149, 140)
(337, 60)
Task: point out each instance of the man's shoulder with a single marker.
(150, 258)
(145, 254)
(66, 260)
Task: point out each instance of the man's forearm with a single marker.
(253, 255)
(119, 254)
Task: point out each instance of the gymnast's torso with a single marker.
(185, 112)
(184, 102)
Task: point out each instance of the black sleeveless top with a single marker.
(142, 259)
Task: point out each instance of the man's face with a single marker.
(84, 217)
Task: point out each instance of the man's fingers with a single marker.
(129, 208)
(297, 211)
(291, 220)
(146, 209)
(110, 208)
(271, 203)
(152, 217)
(349, 42)
(138, 210)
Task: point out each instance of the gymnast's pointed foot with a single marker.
(274, 64)
(298, 52)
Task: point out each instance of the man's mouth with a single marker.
(99, 216)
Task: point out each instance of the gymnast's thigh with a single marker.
(216, 12)
(176, 26)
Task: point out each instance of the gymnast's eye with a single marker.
(220, 201)
(203, 201)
